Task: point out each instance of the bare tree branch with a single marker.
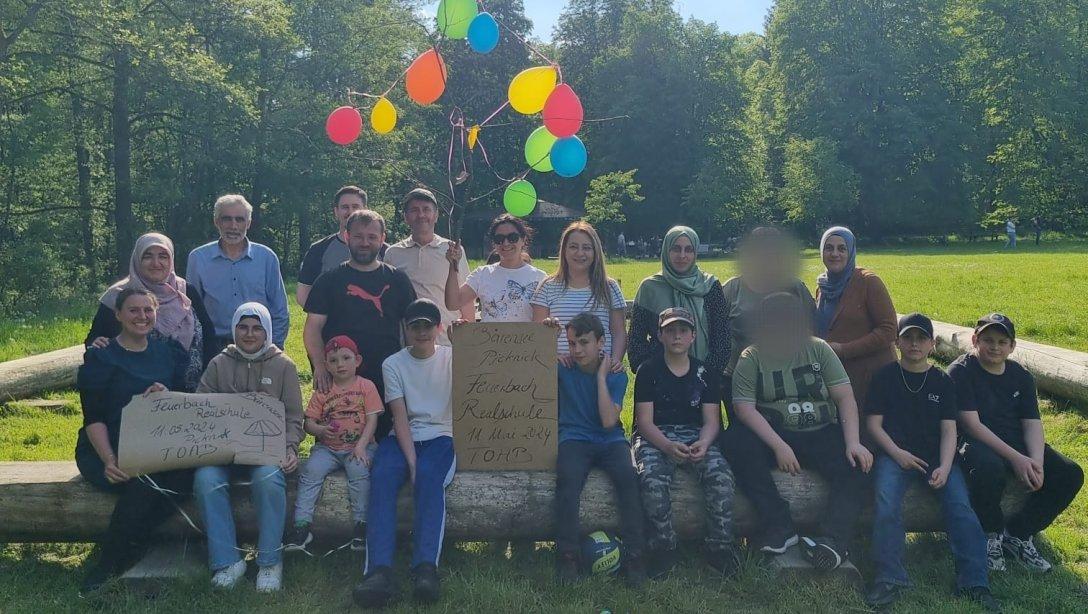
(6, 40)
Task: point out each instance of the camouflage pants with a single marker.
(656, 469)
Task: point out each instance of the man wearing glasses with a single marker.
(234, 270)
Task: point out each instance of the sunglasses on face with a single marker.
(499, 239)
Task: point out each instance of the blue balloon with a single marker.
(483, 33)
(569, 156)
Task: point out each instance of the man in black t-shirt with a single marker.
(362, 298)
(677, 419)
(911, 415)
(330, 252)
(999, 417)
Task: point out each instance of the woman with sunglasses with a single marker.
(504, 288)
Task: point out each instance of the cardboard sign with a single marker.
(505, 409)
(174, 430)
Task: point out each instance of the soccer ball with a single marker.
(601, 552)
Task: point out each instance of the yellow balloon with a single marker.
(383, 117)
(530, 88)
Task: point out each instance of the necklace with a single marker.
(903, 375)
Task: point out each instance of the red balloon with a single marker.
(563, 112)
(344, 125)
(426, 78)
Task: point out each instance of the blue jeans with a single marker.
(435, 464)
(268, 489)
(965, 534)
(323, 461)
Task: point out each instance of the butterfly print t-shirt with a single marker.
(504, 293)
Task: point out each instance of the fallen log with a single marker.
(29, 377)
(49, 502)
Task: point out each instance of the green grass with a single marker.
(1038, 288)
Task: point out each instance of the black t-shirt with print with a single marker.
(677, 400)
(1001, 401)
(913, 419)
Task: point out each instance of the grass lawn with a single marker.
(1036, 287)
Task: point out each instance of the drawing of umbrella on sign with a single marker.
(264, 429)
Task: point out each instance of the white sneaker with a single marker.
(995, 558)
(1024, 551)
(229, 575)
(270, 579)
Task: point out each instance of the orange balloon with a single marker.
(426, 78)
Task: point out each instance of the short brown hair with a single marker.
(349, 189)
(586, 322)
(364, 217)
(127, 293)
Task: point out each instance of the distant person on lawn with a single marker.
(235, 270)
(132, 363)
(180, 315)
(912, 419)
(1010, 232)
(1003, 435)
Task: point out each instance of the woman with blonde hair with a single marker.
(581, 285)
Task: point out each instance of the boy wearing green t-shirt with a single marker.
(795, 408)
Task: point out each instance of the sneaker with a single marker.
(778, 542)
(995, 557)
(725, 561)
(270, 579)
(1023, 550)
(358, 537)
(376, 590)
(882, 594)
(982, 596)
(566, 568)
(229, 576)
(822, 552)
(426, 586)
(660, 563)
(298, 537)
(634, 572)
(97, 577)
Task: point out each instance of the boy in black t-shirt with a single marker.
(999, 415)
(677, 419)
(911, 411)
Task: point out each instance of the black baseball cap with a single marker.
(996, 319)
(675, 314)
(916, 320)
(422, 309)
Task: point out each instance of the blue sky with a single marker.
(736, 16)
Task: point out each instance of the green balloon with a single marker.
(454, 17)
(519, 198)
(538, 149)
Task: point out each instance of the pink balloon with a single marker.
(563, 112)
(344, 125)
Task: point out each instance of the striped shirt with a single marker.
(565, 303)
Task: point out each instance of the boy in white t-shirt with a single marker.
(418, 393)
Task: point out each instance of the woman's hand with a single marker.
(566, 360)
(100, 342)
(454, 254)
(156, 387)
(113, 473)
(290, 463)
(551, 322)
(617, 365)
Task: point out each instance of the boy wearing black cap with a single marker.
(418, 392)
(677, 419)
(911, 415)
(999, 415)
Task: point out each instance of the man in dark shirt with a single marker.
(362, 298)
(999, 416)
(331, 251)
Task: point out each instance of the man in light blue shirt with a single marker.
(234, 270)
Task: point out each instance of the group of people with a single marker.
(807, 383)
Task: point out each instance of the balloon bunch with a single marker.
(554, 146)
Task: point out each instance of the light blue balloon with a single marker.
(569, 156)
(483, 33)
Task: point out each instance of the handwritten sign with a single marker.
(174, 430)
(505, 414)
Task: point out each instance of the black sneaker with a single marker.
(298, 537)
(982, 596)
(778, 541)
(358, 537)
(566, 568)
(823, 552)
(97, 577)
(725, 561)
(882, 594)
(376, 590)
(660, 563)
(426, 586)
(634, 572)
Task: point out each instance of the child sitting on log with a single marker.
(590, 435)
(999, 416)
(419, 392)
(343, 421)
(911, 415)
(677, 419)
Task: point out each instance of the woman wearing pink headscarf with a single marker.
(181, 314)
